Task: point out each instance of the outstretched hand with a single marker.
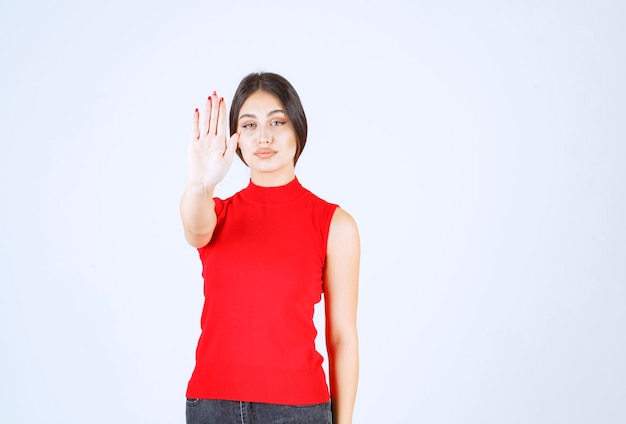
(211, 150)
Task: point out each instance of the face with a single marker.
(267, 140)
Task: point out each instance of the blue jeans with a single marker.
(202, 411)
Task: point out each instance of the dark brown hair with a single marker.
(284, 92)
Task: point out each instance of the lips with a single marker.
(264, 153)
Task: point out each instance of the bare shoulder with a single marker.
(343, 228)
(341, 272)
(343, 220)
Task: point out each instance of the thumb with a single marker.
(231, 145)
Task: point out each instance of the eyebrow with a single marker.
(250, 115)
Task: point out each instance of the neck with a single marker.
(272, 179)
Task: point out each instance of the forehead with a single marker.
(260, 102)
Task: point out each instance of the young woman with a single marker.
(268, 253)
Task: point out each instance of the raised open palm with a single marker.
(211, 150)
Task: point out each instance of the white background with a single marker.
(480, 148)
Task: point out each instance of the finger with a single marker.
(204, 128)
(215, 110)
(231, 146)
(195, 131)
(222, 124)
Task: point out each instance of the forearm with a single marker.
(344, 375)
(197, 211)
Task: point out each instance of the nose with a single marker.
(265, 136)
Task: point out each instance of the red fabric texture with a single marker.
(262, 277)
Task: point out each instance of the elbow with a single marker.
(197, 240)
(342, 340)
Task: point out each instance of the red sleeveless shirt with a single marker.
(262, 274)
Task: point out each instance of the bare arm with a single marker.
(197, 211)
(341, 278)
(210, 155)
